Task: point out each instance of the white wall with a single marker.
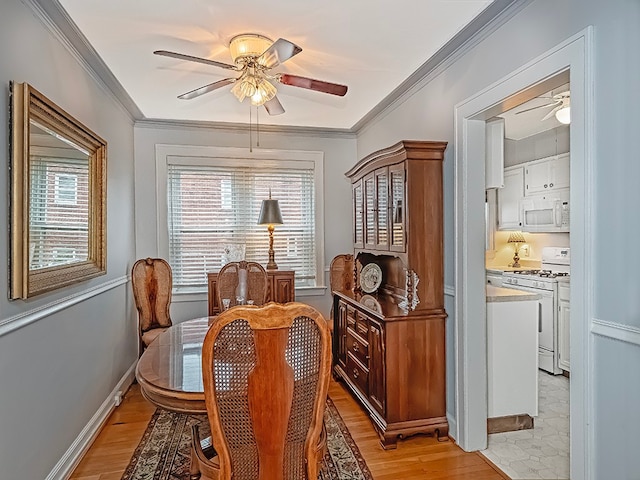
(428, 114)
(339, 155)
(61, 354)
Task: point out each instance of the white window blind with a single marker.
(59, 211)
(210, 206)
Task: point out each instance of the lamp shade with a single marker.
(564, 115)
(516, 237)
(270, 213)
(248, 45)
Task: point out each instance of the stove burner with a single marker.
(540, 273)
(550, 274)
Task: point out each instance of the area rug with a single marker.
(164, 451)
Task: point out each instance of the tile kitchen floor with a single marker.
(542, 452)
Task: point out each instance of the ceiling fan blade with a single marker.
(279, 52)
(206, 61)
(274, 107)
(554, 104)
(311, 84)
(206, 89)
(550, 114)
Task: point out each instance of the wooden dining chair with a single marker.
(341, 275)
(243, 280)
(152, 280)
(266, 376)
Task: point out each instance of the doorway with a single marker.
(529, 145)
(538, 76)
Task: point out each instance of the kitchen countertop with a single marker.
(499, 294)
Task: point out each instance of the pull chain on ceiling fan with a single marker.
(254, 56)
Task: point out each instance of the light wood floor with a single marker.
(416, 458)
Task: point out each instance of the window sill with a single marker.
(311, 291)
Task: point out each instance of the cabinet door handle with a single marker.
(356, 373)
(356, 347)
(551, 185)
(545, 185)
(539, 318)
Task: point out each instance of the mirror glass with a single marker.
(58, 200)
(58, 196)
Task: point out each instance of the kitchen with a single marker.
(527, 251)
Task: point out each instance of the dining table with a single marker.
(170, 369)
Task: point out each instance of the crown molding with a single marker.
(57, 20)
(489, 20)
(231, 127)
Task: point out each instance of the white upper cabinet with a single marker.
(560, 175)
(494, 153)
(547, 174)
(509, 198)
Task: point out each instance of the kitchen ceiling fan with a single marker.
(253, 57)
(560, 104)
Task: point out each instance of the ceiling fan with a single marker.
(253, 57)
(560, 104)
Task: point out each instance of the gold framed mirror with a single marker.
(58, 196)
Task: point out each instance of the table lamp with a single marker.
(518, 238)
(270, 215)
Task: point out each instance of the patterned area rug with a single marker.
(164, 451)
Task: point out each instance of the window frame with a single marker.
(230, 156)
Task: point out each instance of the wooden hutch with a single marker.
(389, 343)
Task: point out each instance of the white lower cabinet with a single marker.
(564, 326)
(512, 352)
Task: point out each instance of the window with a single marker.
(66, 189)
(59, 211)
(214, 198)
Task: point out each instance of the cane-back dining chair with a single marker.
(152, 282)
(266, 376)
(242, 282)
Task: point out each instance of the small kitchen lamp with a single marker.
(518, 238)
(270, 215)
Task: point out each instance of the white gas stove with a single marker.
(555, 267)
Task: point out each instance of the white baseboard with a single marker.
(65, 466)
(453, 426)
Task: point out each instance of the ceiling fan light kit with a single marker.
(254, 84)
(248, 45)
(253, 56)
(564, 115)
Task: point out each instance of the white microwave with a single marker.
(546, 213)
